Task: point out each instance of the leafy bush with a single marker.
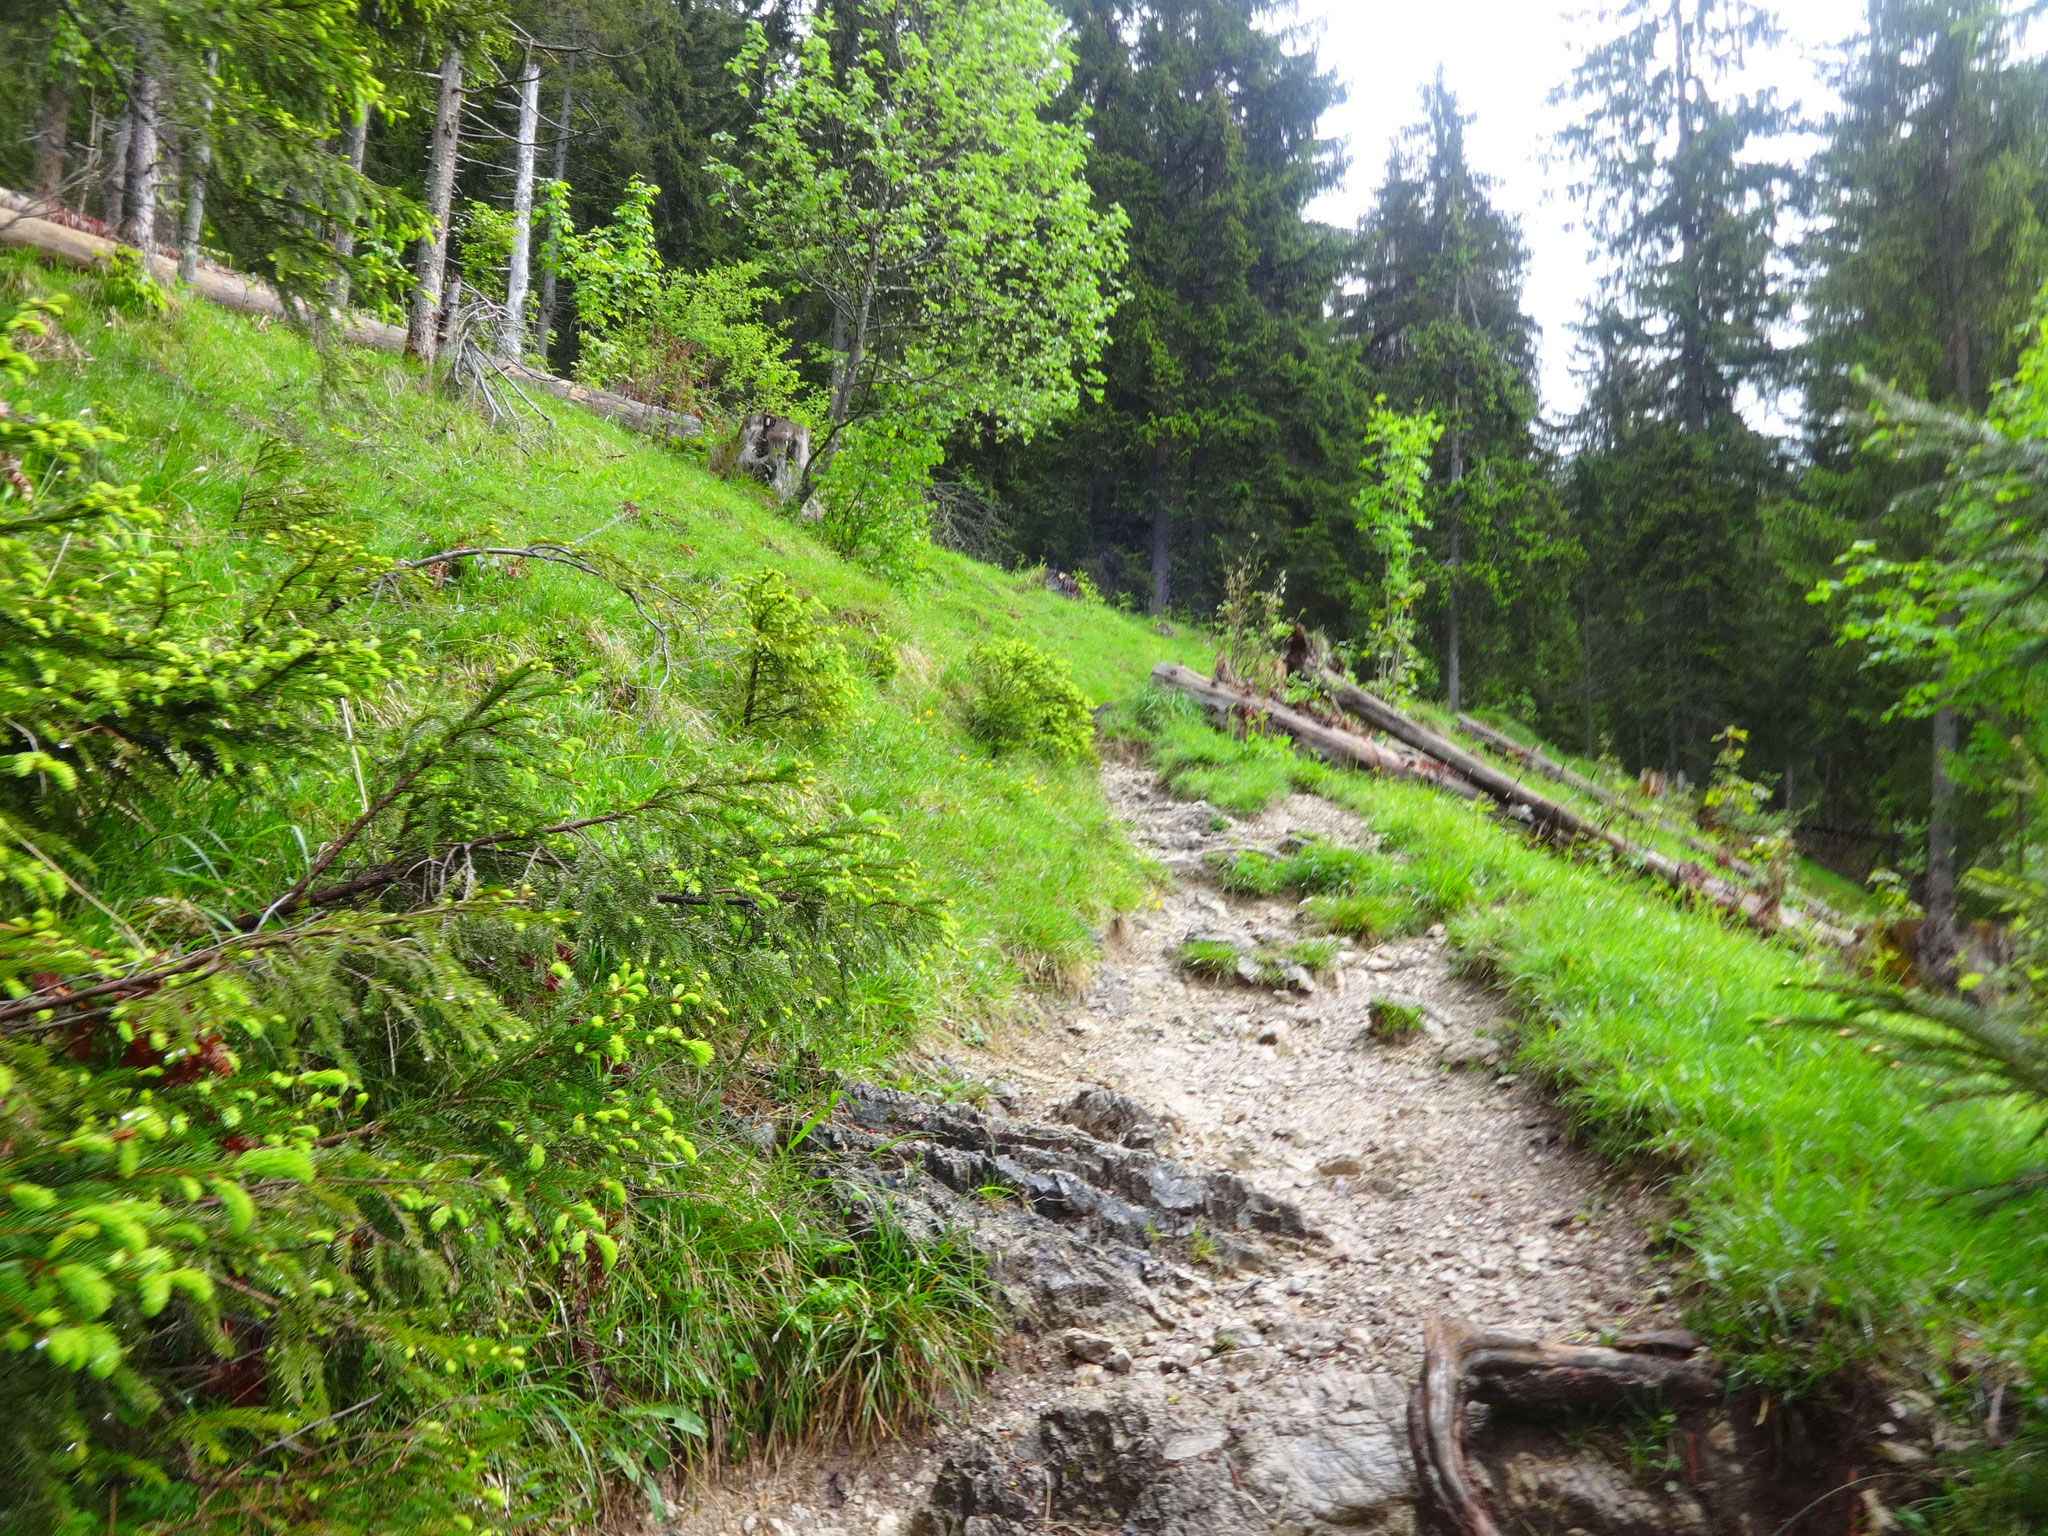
(875, 496)
(128, 287)
(704, 347)
(1025, 700)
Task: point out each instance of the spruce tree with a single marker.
(1677, 597)
(1440, 319)
(1931, 247)
(1222, 381)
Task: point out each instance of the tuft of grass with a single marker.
(1210, 957)
(1386, 1019)
(1368, 917)
(1312, 954)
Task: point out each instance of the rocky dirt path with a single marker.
(1267, 1393)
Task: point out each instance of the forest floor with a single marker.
(1434, 1181)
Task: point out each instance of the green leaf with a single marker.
(679, 1416)
(85, 1290)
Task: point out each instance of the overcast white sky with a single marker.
(1503, 58)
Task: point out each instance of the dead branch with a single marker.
(1343, 748)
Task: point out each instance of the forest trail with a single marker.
(1435, 1182)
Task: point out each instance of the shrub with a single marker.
(128, 286)
(1025, 700)
(792, 672)
(875, 496)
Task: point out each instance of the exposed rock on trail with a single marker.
(1222, 1215)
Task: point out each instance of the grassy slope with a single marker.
(1811, 1176)
(1025, 854)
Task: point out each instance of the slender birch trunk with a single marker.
(194, 228)
(421, 340)
(519, 270)
(114, 179)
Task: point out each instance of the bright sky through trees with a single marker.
(1503, 58)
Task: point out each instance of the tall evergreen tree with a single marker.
(1931, 247)
(1440, 319)
(1222, 383)
(1678, 601)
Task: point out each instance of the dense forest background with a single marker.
(1632, 578)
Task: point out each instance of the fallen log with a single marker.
(1555, 771)
(1529, 757)
(27, 224)
(1342, 748)
(1461, 1363)
(1561, 821)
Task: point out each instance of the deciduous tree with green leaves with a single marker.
(902, 169)
(1392, 507)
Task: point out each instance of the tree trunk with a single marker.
(1162, 535)
(1452, 659)
(421, 337)
(1162, 555)
(53, 131)
(518, 272)
(355, 145)
(1939, 933)
(193, 227)
(138, 198)
(546, 323)
(114, 179)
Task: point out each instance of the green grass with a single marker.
(1023, 852)
(1386, 1019)
(1312, 954)
(748, 1311)
(1816, 1187)
(1210, 957)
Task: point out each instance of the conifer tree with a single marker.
(1676, 599)
(1442, 326)
(1932, 191)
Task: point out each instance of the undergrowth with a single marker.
(422, 840)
